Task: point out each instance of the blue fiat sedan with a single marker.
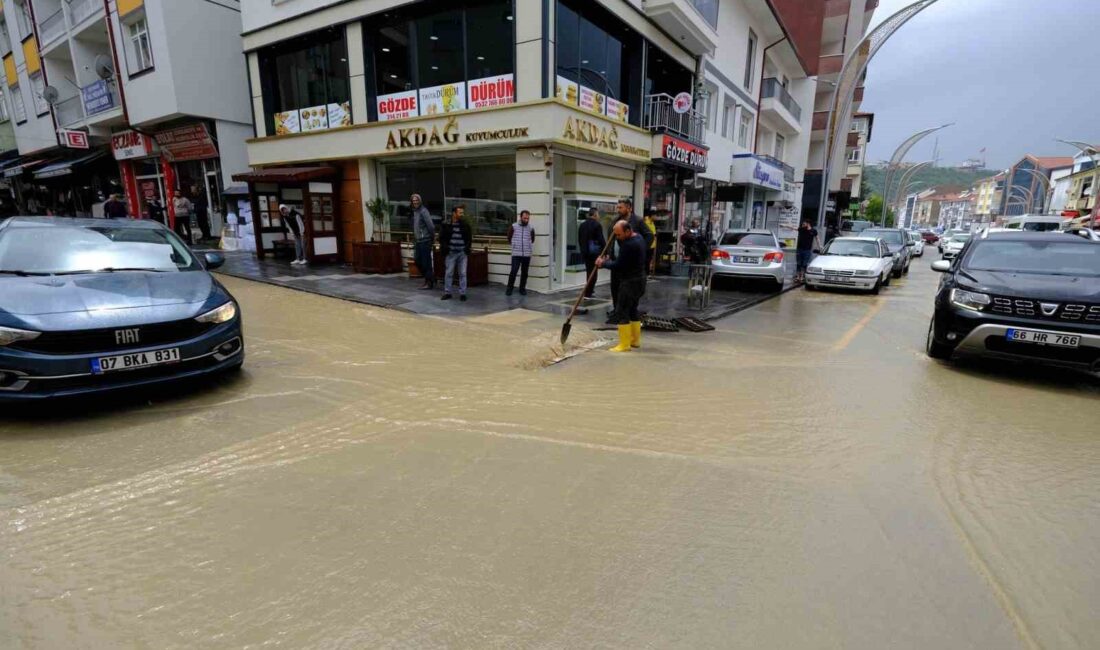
(91, 305)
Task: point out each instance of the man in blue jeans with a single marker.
(521, 237)
(455, 242)
(807, 237)
(424, 234)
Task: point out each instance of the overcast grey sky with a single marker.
(1012, 74)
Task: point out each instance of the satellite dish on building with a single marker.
(50, 94)
(104, 67)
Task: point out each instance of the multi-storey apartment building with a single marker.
(557, 107)
(1024, 193)
(859, 136)
(845, 24)
(157, 88)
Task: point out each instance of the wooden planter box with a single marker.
(477, 267)
(376, 257)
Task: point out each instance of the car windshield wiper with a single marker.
(21, 273)
(113, 269)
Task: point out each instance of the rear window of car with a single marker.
(1041, 257)
(1038, 226)
(747, 239)
(888, 236)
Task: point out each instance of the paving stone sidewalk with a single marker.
(666, 296)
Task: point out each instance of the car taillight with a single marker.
(773, 258)
(719, 254)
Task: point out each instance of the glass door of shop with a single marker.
(268, 221)
(322, 223)
(572, 210)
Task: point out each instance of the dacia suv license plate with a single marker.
(1044, 338)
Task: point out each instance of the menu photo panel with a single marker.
(443, 99)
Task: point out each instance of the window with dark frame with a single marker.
(310, 72)
(750, 61)
(19, 108)
(139, 52)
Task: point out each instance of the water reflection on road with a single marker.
(803, 477)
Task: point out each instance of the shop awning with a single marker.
(286, 175)
(20, 164)
(65, 167)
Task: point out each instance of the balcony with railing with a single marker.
(69, 111)
(81, 10)
(660, 116)
(779, 108)
(52, 27)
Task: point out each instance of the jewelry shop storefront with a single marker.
(545, 156)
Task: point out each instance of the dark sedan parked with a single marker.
(90, 305)
(897, 240)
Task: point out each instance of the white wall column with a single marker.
(528, 65)
(258, 117)
(357, 71)
(535, 193)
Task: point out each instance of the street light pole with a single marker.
(840, 104)
(909, 173)
(900, 153)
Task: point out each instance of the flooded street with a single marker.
(804, 477)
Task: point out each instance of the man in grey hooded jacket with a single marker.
(424, 233)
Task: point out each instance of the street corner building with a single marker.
(139, 98)
(690, 108)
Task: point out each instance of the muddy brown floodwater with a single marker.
(801, 478)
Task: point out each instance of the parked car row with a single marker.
(1021, 294)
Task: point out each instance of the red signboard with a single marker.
(74, 139)
(192, 142)
(675, 151)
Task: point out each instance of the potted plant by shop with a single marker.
(378, 255)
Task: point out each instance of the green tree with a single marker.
(874, 211)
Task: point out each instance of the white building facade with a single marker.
(154, 95)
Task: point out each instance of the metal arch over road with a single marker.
(903, 187)
(901, 152)
(841, 102)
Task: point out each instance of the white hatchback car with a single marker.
(955, 245)
(852, 263)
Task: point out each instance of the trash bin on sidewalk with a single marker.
(699, 279)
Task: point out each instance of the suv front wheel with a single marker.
(934, 348)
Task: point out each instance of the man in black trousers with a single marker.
(629, 274)
(591, 241)
(625, 211)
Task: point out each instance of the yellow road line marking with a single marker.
(852, 333)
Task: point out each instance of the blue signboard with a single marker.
(97, 97)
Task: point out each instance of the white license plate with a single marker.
(740, 259)
(135, 360)
(1044, 338)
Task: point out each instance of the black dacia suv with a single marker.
(1031, 296)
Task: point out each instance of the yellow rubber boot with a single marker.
(624, 339)
(635, 333)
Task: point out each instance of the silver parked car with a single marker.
(749, 254)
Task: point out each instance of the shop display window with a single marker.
(486, 186)
(438, 57)
(305, 83)
(597, 57)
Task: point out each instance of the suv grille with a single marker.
(1067, 313)
(103, 340)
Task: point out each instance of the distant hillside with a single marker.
(945, 177)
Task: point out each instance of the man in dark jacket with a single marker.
(115, 208)
(424, 234)
(628, 269)
(455, 242)
(591, 241)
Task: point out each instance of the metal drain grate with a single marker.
(656, 324)
(694, 324)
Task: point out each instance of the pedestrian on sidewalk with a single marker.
(424, 234)
(202, 211)
(695, 244)
(183, 208)
(115, 208)
(296, 227)
(591, 241)
(804, 254)
(455, 242)
(521, 236)
(629, 269)
(651, 250)
(156, 211)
